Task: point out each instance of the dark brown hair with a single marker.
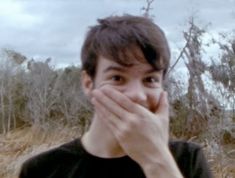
(117, 38)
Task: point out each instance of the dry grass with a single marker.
(22, 143)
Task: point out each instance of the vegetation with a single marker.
(41, 106)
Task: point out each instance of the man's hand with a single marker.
(143, 135)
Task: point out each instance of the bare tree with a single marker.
(223, 75)
(147, 8)
(73, 105)
(10, 74)
(39, 83)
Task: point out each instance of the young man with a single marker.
(124, 62)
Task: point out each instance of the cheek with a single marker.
(109, 84)
(100, 84)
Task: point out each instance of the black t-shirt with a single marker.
(72, 161)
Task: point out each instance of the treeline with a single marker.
(37, 94)
(203, 102)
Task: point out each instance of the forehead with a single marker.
(135, 67)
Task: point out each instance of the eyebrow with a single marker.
(116, 68)
(123, 69)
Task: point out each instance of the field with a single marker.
(20, 144)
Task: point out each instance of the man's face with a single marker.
(139, 81)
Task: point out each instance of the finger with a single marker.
(163, 107)
(123, 101)
(110, 105)
(111, 120)
(114, 124)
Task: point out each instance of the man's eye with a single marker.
(151, 80)
(117, 78)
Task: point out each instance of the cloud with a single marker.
(13, 16)
(56, 28)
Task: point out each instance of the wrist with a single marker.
(163, 166)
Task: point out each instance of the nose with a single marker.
(136, 92)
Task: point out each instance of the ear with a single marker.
(87, 83)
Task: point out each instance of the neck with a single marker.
(100, 141)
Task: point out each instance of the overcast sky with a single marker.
(56, 28)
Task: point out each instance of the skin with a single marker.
(131, 116)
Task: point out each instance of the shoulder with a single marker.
(179, 147)
(184, 151)
(190, 159)
(66, 151)
(44, 163)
